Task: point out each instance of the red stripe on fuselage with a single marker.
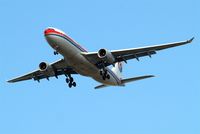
(53, 31)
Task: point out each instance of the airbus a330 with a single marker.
(103, 66)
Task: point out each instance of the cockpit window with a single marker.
(55, 30)
(59, 31)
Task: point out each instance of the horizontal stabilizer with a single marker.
(124, 81)
(136, 78)
(100, 86)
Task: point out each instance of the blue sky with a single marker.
(166, 104)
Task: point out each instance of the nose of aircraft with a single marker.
(50, 39)
(48, 30)
(53, 31)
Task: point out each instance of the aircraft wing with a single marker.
(58, 68)
(133, 53)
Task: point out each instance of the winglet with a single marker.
(189, 41)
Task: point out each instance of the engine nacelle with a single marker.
(43, 66)
(46, 69)
(106, 56)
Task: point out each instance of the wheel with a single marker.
(101, 72)
(108, 76)
(67, 80)
(70, 85)
(105, 72)
(71, 79)
(55, 53)
(74, 84)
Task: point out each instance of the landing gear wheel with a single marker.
(71, 79)
(67, 80)
(55, 53)
(101, 72)
(74, 84)
(70, 85)
(105, 72)
(108, 76)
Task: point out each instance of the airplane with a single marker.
(103, 66)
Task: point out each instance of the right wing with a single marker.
(58, 68)
(132, 53)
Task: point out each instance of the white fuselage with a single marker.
(71, 51)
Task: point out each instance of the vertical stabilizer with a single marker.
(117, 69)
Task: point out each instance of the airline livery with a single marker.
(103, 66)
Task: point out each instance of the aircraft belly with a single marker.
(79, 63)
(82, 66)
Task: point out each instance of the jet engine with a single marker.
(106, 56)
(47, 70)
(44, 66)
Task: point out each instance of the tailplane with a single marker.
(124, 81)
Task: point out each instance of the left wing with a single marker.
(58, 68)
(127, 54)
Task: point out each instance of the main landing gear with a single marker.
(55, 53)
(104, 74)
(70, 81)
